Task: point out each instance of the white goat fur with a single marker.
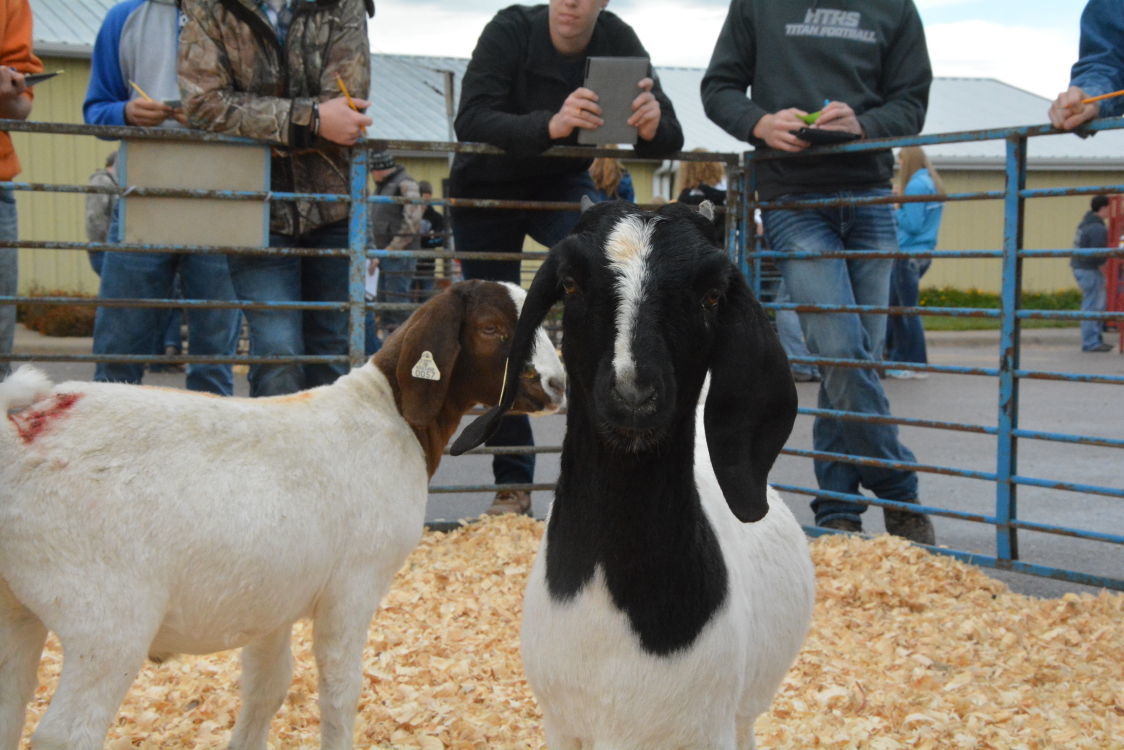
(156, 521)
(732, 671)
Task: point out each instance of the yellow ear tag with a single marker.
(426, 368)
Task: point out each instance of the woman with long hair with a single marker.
(612, 180)
(702, 181)
(918, 225)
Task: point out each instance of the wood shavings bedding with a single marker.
(907, 650)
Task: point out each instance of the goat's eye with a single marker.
(530, 372)
(491, 330)
(710, 299)
(569, 286)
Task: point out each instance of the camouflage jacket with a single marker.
(236, 78)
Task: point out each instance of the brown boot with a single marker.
(916, 527)
(510, 501)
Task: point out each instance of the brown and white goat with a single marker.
(141, 521)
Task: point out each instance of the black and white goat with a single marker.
(673, 588)
(138, 521)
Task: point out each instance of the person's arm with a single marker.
(907, 77)
(484, 115)
(17, 59)
(411, 217)
(730, 73)
(1099, 68)
(212, 102)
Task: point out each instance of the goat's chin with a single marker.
(631, 440)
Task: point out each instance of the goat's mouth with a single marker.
(631, 439)
(534, 399)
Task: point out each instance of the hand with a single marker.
(580, 110)
(12, 83)
(180, 116)
(1067, 111)
(146, 112)
(839, 116)
(645, 111)
(341, 124)
(776, 130)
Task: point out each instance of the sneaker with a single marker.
(1101, 347)
(842, 524)
(916, 527)
(510, 501)
(907, 374)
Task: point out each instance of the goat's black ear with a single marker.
(586, 203)
(543, 294)
(751, 404)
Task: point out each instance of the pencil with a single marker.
(346, 93)
(1109, 95)
(140, 90)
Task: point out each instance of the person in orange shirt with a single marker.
(16, 60)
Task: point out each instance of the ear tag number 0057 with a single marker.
(425, 368)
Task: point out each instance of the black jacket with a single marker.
(1091, 232)
(516, 81)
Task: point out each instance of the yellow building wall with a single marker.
(977, 225)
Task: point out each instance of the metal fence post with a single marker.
(357, 258)
(1006, 493)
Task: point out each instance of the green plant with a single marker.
(1063, 299)
(54, 319)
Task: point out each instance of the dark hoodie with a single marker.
(799, 53)
(1091, 232)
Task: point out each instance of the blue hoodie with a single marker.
(919, 223)
(1100, 63)
(137, 42)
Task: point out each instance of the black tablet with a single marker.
(614, 81)
(822, 137)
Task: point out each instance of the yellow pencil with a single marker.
(140, 90)
(1109, 95)
(346, 93)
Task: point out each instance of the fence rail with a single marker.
(1006, 476)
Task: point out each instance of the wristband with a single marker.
(314, 123)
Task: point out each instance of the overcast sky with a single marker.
(1027, 43)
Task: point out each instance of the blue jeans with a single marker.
(905, 334)
(140, 330)
(396, 274)
(9, 277)
(845, 281)
(792, 338)
(294, 333)
(504, 230)
(1093, 298)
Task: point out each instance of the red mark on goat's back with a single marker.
(33, 422)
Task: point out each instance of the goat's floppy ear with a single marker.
(751, 404)
(430, 346)
(543, 294)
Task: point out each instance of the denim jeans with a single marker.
(905, 334)
(1093, 298)
(140, 330)
(845, 281)
(9, 276)
(504, 230)
(792, 338)
(294, 333)
(396, 275)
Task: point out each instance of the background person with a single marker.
(611, 180)
(918, 226)
(100, 209)
(870, 61)
(394, 226)
(523, 92)
(16, 60)
(271, 70)
(702, 181)
(433, 229)
(1092, 232)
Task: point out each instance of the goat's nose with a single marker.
(556, 386)
(633, 395)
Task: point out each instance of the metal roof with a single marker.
(408, 101)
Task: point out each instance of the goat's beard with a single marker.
(623, 440)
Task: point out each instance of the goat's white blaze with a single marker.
(628, 247)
